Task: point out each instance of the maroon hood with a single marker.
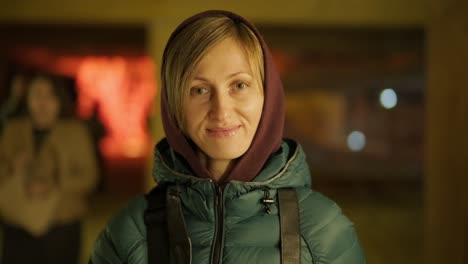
(269, 133)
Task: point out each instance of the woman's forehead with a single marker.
(226, 59)
(40, 84)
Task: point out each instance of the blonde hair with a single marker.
(190, 45)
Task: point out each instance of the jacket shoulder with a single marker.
(330, 235)
(17, 124)
(16, 136)
(124, 238)
(71, 124)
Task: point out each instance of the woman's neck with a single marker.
(43, 125)
(217, 168)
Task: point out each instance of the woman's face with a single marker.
(225, 103)
(43, 104)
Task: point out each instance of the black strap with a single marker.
(179, 240)
(167, 237)
(156, 222)
(289, 226)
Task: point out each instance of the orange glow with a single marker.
(121, 92)
(282, 61)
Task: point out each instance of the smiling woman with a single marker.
(230, 189)
(222, 113)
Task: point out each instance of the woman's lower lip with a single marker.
(223, 132)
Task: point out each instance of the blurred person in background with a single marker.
(47, 170)
(230, 189)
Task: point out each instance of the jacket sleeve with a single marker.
(104, 251)
(5, 153)
(330, 236)
(124, 238)
(4, 162)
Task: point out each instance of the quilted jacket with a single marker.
(240, 229)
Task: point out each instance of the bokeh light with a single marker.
(388, 98)
(356, 141)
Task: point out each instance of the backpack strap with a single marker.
(167, 243)
(181, 246)
(155, 218)
(289, 226)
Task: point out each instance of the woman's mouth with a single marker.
(223, 131)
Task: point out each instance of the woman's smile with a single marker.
(221, 132)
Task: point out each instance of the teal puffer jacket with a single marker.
(250, 235)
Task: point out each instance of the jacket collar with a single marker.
(285, 168)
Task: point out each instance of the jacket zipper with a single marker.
(218, 240)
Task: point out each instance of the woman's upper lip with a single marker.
(221, 129)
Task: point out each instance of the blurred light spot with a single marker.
(356, 141)
(120, 91)
(388, 98)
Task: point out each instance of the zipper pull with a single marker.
(267, 201)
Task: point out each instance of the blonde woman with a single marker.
(230, 189)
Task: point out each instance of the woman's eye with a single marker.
(241, 85)
(198, 90)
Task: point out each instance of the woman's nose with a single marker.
(221, 106)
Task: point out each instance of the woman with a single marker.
(47, 170)
(224, 164)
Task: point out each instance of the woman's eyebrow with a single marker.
(199, 78)
(203, 79)
(239, 73)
